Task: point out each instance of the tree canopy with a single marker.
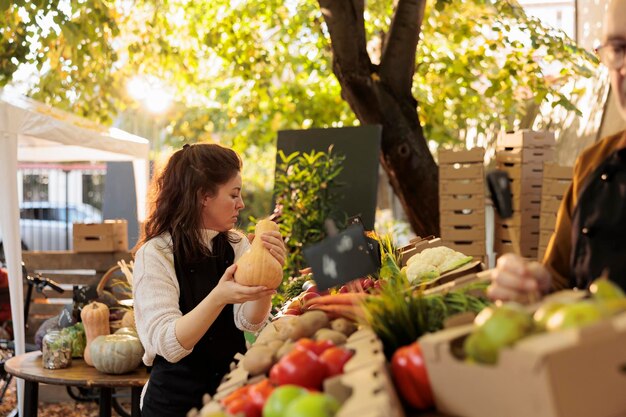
(238, 71)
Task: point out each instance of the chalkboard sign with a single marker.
(361, 148)
(341, 258)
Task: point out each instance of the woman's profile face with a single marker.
(221, 211)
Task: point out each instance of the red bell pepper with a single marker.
(334, 359)
(409, 373)
(260, 392)
(299, 367)
(249, 399)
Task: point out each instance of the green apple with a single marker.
(495, 328)
(604, 289)
(312, 405)
(575, 315)
(280, 398)
(543, 313)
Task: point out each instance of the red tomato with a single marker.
(409, 373)
(334, 360)
(317, 347)
(299, 367)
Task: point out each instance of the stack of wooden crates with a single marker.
(522, 155)
(462, 201)
(556, 180)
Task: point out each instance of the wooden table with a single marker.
(29, 368)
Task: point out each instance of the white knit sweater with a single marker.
(156, 296)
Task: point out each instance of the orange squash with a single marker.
(257, 266)
(95, 317)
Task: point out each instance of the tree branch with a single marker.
(347, 32)
(397, 65)
(351, 63)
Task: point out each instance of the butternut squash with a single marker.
(257, 266)
(95, 317)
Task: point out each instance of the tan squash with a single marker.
(257, 266)
(128, 320)
(95, 317)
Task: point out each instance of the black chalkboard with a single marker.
(342, 258)
(361, 147)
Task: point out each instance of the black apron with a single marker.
(175, 388)
(599, 225)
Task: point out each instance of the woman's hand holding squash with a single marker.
(229, 292)
(273, 242)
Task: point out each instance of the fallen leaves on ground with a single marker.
(64, 409)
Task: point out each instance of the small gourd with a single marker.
(257, 266)
(95, 317)
(116, 353)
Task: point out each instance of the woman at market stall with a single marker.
(190, 313)
(591, 224)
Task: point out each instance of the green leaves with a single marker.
(306, 187)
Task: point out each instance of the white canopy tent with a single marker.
(34, 132)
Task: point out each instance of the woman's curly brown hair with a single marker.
(177, 193)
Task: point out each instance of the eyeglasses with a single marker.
(612, 55)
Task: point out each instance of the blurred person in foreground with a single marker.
(190, 313)
(590, 234)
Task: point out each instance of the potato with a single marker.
(344, 326)
(334, 336)
(258, 360)
(274, 345)
(283, 350)
(269, 333)
(307, 324)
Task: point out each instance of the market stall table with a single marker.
(29, 367)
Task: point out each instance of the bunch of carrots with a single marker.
(347, 305)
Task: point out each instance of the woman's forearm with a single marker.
(256, 311)
(192, 326)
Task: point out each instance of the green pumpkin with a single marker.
(126, 330)
(116, 353)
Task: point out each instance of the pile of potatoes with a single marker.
(278, 338)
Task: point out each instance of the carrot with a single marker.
(346, 298)
(350, 312)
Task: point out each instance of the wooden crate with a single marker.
(505, 246)
(461, 187)
(523, 219)
(464, 233)
(462, 200)
(471, 202)
(550, 204)
(109, 236)
(476, 248)
(527, 187)
(451, 218)
(474, 155)
(527, 139)
(67, 269)
(559, 172)
(557, 179)
(525, 155)
(521, 170)
(462, 172)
